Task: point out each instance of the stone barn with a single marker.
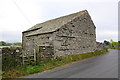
(70, 34)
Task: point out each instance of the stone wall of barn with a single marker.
(77, 36)
(33, 44)
(26, 42)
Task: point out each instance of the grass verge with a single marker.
(48, 64)
(115, 48)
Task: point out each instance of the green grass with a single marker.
(48, 64)
(115, 48)
(0, 66)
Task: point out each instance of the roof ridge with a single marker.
(35, 26)
(54, 24)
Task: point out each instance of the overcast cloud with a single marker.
(17, 16)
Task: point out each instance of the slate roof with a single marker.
(54, 24)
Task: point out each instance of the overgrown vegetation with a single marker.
(50, 63)
(112, 44)
(115, 48)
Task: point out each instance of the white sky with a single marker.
(17, 16)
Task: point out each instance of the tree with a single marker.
(2, 43)
(111, 41)
(106, 42)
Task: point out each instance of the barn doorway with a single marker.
(45, 52)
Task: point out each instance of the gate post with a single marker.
(34, 55)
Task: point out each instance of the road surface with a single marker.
(104, 66)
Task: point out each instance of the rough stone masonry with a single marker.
(70, 34)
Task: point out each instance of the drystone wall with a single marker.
(99, 46)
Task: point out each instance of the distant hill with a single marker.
(3, 43)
